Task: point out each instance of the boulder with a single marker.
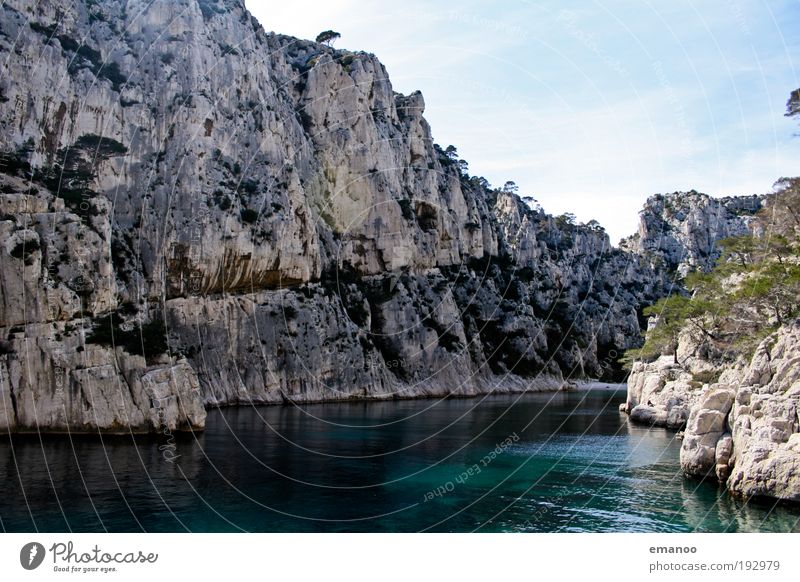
(705, 427)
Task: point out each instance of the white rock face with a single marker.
(50, 383)
(706, 427)
(661, 393)
(744, 429)
(680, 231)
(186, 200)
(765, 422)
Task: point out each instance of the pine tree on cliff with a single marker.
(328, 37)
(793, 104)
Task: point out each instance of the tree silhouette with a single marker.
(793, 104)
(328, 37)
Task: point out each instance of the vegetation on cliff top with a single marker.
(752, 291)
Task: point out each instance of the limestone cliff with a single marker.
(197, 212)
(679, 232)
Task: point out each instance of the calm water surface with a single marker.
(538, 462)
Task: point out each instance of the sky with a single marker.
(589, 106)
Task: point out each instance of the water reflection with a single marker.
(576, 464)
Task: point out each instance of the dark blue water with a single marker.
(539, 462)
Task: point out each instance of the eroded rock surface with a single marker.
(742, 429)
(680, 231)
(224, 215)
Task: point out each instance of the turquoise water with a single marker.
(539, 462)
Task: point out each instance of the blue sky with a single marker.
(589, 106)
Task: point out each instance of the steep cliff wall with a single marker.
(732, 373)
(198, 211)
(679, 232)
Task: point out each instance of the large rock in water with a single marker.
(743, 430)
(660, 393)
(706, 427)
(187, 201)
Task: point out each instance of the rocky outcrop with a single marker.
(744, 429)
(765, 420)
(51, 383)
(706, 446)
(679, 232)
(660, 394)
